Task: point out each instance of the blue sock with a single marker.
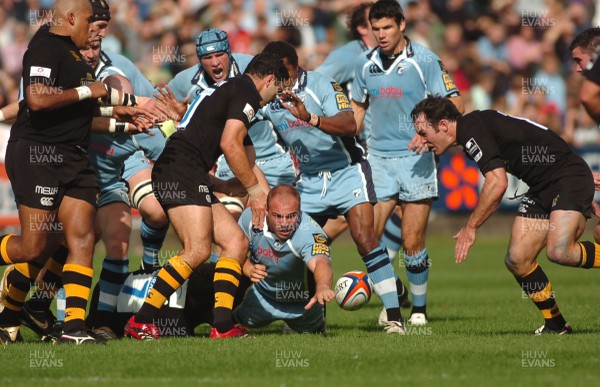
(382, 275)
(112, 277)
(152, 240)
(417, 271)
(392, 235)
(214, 257)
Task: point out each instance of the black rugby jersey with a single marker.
(237, 98)
(524, 148)
(54, 61)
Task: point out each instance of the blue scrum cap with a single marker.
(212, 40)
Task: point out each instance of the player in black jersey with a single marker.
(47, 164)
(215, 123)
(552, 213)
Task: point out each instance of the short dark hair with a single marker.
(588, 40)
(436, 109)
(358, 18)
(284, 50)
(387, 8)
(265, 64)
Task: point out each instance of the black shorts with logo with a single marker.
(41, 174)
(572, 193)
(179, 180)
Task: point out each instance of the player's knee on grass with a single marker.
(153, 213)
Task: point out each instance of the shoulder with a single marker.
(242, 58)
(186, 74)
(421, 53)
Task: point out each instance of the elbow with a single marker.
(34, 104)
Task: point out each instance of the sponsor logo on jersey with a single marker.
(336, 86)
(249, 112)
(41, 190)
(320, 238)
(448, 82)
(401, 67)
(37, 71)
(375, 70)
(474, 150)
(267, 253)
(342, 102)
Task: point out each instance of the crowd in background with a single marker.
(509, 55)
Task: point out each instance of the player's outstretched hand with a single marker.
(256, 272)
(464, 240)
(418, 144)
(258, 203)
(323, 294)
(174, 109)
(291, 102)
(157, 108)
(137, 120)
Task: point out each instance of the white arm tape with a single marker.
(84, 92)
(106, 111)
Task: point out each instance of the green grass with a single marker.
(479, 334)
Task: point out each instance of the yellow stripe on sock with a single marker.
(74, 314)
(550, 313)
(168, 278)
(229, 263)
(75, 290)
(27, 270)
(584, 254)
(12, 307)
(77, 268)
(181, 267)
(16, 294)
(543, 294)
(535, 266)
(155, 298)
(596, 255)
(3, 249)
(226, 277)
(223, 300)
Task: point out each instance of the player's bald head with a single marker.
(64, 7)
(284, 194)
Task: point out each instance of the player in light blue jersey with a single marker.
(390, 80)
(335, 177)
(339, 65)
(289, 244)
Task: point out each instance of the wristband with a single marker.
(2, 117)
(254, 191)
(167, 128)
(315, 120)
(83, 92)
(106, 111)
(115, 126)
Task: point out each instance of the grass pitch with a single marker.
(480, 333)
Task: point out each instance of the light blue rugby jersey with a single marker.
(285, 261)
(191, 82)
(339, 65)
(393, 93)
(315, 150)
(116, 64)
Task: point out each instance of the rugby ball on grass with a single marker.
(352, 290)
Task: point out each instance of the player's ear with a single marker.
(402, 25)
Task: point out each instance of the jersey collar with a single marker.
(408, 52)
(104, 61)
(200, 79)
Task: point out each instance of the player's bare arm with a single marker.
(232, 145)
(360, 110)
(342, 124)
(321, 267)
(494, 187)
(43, 97)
